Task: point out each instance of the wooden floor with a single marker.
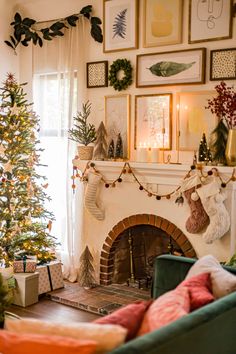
(52, 311)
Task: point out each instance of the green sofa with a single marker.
(208, 330)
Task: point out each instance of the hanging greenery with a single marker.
(24, 32)
(120, 65)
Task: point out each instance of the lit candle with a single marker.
(154, 153)
(142, 153)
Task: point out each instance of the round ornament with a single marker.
(117, 66)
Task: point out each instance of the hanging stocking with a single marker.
(213, 202)
(198, 219)
(90, 196)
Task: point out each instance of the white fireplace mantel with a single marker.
(126, 200)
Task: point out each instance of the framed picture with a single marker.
(210, 20)
(120, 20)
(117, 121)
(193, 119)
(153, 121)
(162, 22)
(171, 68)
(223, 64)
(97, 74)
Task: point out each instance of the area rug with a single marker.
(100, 299)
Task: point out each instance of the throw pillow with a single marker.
(166, 309)
(129, 317)
(223, 282)
(199, 287)
(14, 343)
(107, 336)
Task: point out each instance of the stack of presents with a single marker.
(32, 280)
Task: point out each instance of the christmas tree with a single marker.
(5, 299)
(202, 152)
(86, 270)
(111, 150)
(119, 148)
(219, 140)
(100, 148)
(23, 217)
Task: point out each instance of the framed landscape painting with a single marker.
(117, 120)
(171, 68)
(120, 20)
(162, 22)
(210, 20)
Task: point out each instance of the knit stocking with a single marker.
(213, 202)
(90, 196)
(198, 219)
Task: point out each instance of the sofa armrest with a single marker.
(169, 271)
(209, 330)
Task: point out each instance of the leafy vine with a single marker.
(24, 32)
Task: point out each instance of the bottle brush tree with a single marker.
(86, 270)
(83, 132)
(24, 219)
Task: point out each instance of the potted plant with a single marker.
(224, 135)
(83, 133)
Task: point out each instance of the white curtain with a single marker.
(59, 76)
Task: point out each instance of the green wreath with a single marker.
(117, 65)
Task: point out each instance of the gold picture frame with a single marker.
(153, 121)
(210, 20)
(182, 67)
(120, 25)
(117, 120)
(193, 119)
(162, 22)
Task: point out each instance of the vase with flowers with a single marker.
(224, 135)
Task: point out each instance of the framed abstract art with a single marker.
(97, 74)
(223, 64)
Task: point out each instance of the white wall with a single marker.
(45, 10)
(8, 60)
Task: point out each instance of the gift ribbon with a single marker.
(49, 277)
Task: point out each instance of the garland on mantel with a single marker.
(128, 169)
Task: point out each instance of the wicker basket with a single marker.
(85, 152)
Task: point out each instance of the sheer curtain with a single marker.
(59, 88)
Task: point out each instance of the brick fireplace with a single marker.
(126, 206)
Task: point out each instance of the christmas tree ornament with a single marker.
(100, 148)
(213, 202)
(2, 149)
(94, 180)
(7, 167)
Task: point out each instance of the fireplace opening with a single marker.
(132, 245)
(135, 251)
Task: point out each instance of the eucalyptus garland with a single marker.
(24, 32)
(117, 65)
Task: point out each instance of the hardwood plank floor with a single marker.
(53, 311)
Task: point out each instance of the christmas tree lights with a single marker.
(24, 220)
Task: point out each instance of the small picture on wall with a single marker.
(223, 64)
(162, 22)
(120, 20)
(97, 74)
(210, 20)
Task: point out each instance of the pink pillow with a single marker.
(199, 287)
(22, 343)
(166, 309)
(129, 317)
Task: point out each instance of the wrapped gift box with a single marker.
(50, 277)
(25, 265)
(26, 289)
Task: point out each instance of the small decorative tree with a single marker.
(111, 150)
(86, 270)
(83, 132)
(119, 148)
(202, 152)
(100, 148)
(219, 141)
